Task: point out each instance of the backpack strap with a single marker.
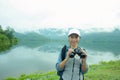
(63, 52)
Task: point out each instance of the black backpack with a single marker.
(63, 52)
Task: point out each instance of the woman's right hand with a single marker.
(70, 50)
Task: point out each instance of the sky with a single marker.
(27, 15)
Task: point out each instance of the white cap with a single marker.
(74, 31)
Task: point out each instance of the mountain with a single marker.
(31, 39)
(101, 41)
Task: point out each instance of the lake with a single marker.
(24, 60)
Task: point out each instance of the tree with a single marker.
(4, 42)
(9, 33)
(7, 39)
(1, 30)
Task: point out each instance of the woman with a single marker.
(73, 66)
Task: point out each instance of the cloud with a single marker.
(21, 14)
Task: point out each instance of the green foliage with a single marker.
(38, 76)
(4, 42)
(103, 71)
(7, 39)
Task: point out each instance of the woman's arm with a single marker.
(62, 63)
(84, 63)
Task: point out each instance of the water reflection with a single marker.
(25, 60)
(96, 56)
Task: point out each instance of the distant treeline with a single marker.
(7, 39)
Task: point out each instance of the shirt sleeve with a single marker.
(59, 60)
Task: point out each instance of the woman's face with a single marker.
(74, 39)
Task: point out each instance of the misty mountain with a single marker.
(101, 41)
(31, 39)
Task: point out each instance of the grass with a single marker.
(103, 71)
